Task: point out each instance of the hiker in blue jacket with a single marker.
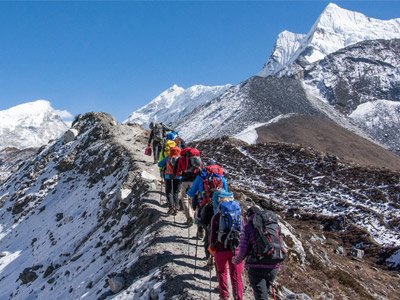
(202, 194)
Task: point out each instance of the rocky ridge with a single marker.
(86, 217)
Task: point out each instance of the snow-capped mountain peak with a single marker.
(31, 124)
(335, 28)
(174, 103)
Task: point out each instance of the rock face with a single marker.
(256, 100)
(362, 81)
(11, 159)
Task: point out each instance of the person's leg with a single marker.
(187, 207)
(222, 274)
(236, 278)
(270, 277)
(168, 193)
(258, 284)
(156, 151)
(177, 187)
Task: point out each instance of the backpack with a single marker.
(167, 147)
(158, 132)
(230, 224)
(268, 245)
(188, 153)
(212, 181)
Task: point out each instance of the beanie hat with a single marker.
(175, 152)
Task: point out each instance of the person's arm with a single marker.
(224, 184)
(151, 137)
(162, 162)
(195, 187)
(213, 236)
(180, 168)
(243, 246)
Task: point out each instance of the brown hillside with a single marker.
(326, 136)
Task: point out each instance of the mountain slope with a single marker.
(324, 135)
(29, 125)
(174, 104)
(256, 100)
(362, 81)
(336, 28)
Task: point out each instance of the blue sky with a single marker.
(117, 56)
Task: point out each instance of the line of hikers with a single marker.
(201, 190)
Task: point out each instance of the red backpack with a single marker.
(187, 153)
(212, 181)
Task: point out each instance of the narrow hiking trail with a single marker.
(173, 249)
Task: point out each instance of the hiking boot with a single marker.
(175, 212)
(189, 222)
(200, 233)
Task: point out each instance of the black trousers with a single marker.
(260, 281)
(156, 150)
(172, 189)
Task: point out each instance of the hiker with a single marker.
(172, 182)
(157, 135)
(225, 230)
(167, 145)
(256, 245)
(210, 179)
(189, 166)
(180, 142)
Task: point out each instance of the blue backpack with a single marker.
(230, 224)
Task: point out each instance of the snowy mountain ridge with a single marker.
(336, 28)
(175, 103)
(31, 124)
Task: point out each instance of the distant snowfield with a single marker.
(31, 124)
(174, 104)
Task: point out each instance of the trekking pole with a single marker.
(210, 280)
(188, 241)
(195, 255)
(161, 202)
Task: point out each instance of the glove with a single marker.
(212, 250)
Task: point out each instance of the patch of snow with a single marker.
(148, 176)
(250, 136)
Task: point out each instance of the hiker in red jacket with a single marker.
(188, 168)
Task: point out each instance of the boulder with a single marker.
(27, 275)
(339, 250)
(70, 135)
(116, 283)
(357, 253)
(123, 195)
